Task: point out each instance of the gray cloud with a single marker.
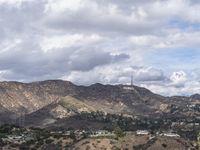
(84, 21)
(26, 63)
(104, 17)
(149, 74)
(74, 39)
(20, 21)
(87, 60)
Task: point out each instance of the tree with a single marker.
(198, 140)
(72, 135)
(118, 132)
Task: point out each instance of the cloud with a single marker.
(69, 40)
(90, 59)
(110, 18)
(14, 2)
(178, 83)
(39, 64)
(61, 5)
(102, 41)
(115, 74)
(191, 87)
(149, 74)
(178, 79)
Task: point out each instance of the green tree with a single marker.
(72, 135)
(198, 140)
(118, 132)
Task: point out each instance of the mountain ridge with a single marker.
(17, 98)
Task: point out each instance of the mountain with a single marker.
(28, 97)
(47, 101)
(195, 97)
(18, 96)
(23, 98)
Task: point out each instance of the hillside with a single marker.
(131, 142)
(66, 107)
(40, 139)
(60, 107)
(17, 98)
(28, 97)
(56, 99)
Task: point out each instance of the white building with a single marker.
(142, 132)
(170, 135)
(101, 133)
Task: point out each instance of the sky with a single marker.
(106, 41)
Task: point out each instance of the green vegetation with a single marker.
(198, 140)
(74, 104)
(49, 141)
(6, 129)
(39, 138)
(72, 135)
(119, 132)
(87, 147)
(26, 138)
(164, 145)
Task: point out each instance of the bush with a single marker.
(119, 133)
(57, 136)
(164, 145)
(198, 140)
(39, 143)
(72, 135)
(48, 141)
(87, 147)
(23, 147)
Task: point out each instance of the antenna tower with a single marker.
(131, 80)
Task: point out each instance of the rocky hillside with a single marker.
(68, 106)
(52, 97)
(29, 97)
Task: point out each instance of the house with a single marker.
(169, 134)
(100, 133)
(142, 132)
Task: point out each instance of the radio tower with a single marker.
(131, 80)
